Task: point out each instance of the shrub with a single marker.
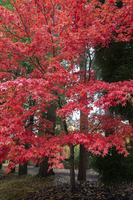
(114, 168)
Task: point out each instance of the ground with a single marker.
(57, 187)
(83, 190)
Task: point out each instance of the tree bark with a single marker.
(83, 151)
(107, 112)
(44, 165)
(22, 169)
(43, 168)
(1, 166)
(131, 124)
(72, 172)
(82, 164)
(131, 121)
(87, 160)
(83, 121)
(13, 170)
(71, 160)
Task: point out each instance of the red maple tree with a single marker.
(50, 38)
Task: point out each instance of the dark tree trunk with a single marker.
(71, 159)
(87, 160)
(131, 121)
(1, 166)
(82, 155)
(44, 165)
(83, 123)
(51, 116)
(22, 169)
(43, 168)
(82, 164)
(107, 112)
(72, 173)
(13, 170)
(131, 124)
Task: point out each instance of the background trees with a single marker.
(114, 64)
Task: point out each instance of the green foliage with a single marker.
(66, 164)
(114, 168)
(114, 64)
(27, 65)
(76, 159)
(7, 4)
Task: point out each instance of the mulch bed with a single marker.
(83, 190)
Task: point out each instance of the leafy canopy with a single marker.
(43, 35)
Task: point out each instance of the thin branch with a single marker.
(96, 127)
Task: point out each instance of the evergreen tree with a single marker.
(115, 64)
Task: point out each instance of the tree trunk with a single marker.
(131, 124)
(82, 155)
(43, 168)
(83, 123)
(108, 113)
(1, 166)
(71, 159)
(87, 160)
(82, 164)
(13, 170)
(131, 121)
(72, 173)
(51, 116)
(22, 169)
